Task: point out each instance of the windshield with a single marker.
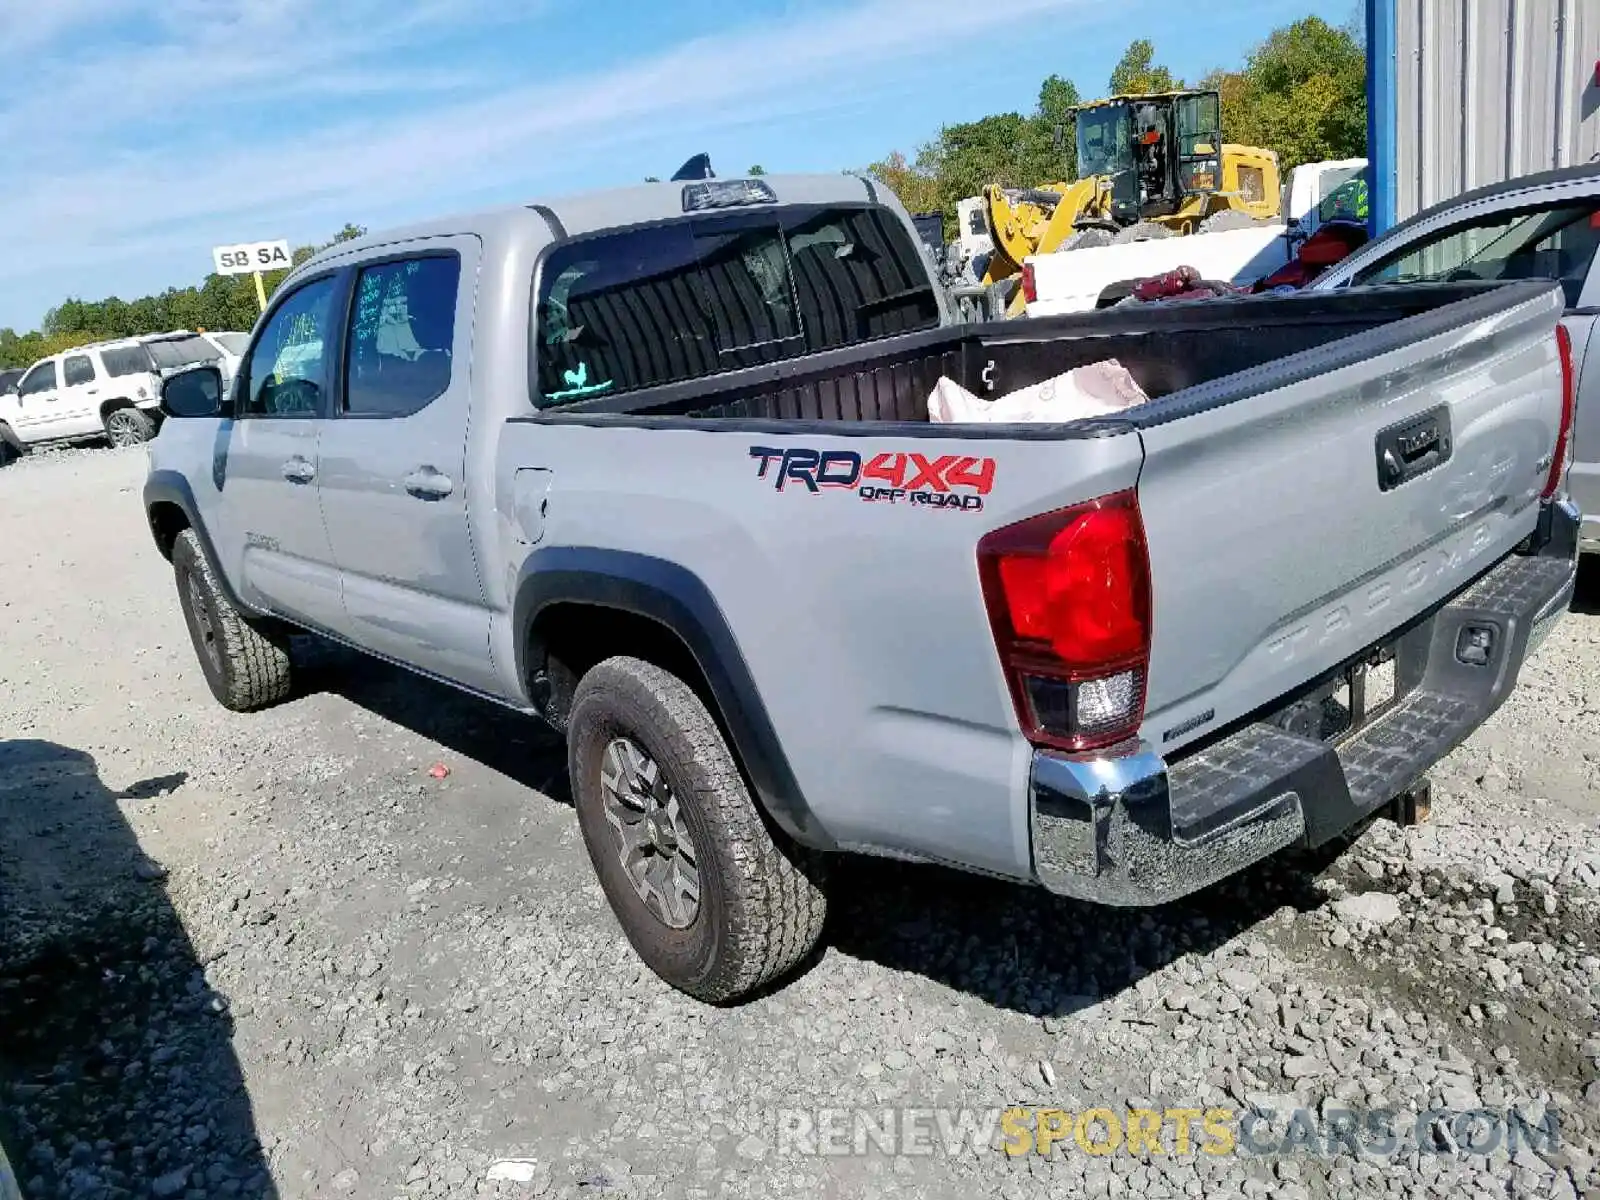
(233, 343)
(1344, 194)
(182, 352)
(1103, 141)
(1551, 243)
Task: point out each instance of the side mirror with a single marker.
(196, 392)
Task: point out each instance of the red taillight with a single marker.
(1068, 595)
(1558, 465)
(1030, 284)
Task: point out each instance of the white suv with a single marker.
(106, 389)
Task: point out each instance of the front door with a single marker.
(34, 412)
(272, 522)
(394, 468)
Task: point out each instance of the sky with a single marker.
(137, 134)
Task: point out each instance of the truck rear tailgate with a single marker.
(1295, 526)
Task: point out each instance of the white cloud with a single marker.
(159, 167)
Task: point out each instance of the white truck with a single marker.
(1083, 280)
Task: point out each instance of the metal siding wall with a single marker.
(1487, 90)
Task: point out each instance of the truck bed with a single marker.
(1168, 348)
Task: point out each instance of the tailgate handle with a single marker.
(1413, 447)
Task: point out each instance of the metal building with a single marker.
(1462, 93)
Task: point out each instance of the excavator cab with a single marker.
(1157, 151)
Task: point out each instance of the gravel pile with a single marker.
(275, 955)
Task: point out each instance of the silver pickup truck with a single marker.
(655, 465)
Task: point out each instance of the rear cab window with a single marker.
(687, 299)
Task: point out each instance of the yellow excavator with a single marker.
(1149, 166)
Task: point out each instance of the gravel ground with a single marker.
(273, 955)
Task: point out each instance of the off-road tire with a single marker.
(244, 667)
(128, 426)
(762, 903)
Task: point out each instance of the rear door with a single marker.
(393, 463)
(78, 398)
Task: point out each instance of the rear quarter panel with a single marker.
(861, 622)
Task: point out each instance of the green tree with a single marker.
(1136, 71)
(1008, 149)
(758, 169)
(219, 302)
(1049, 151)
(1303, 93)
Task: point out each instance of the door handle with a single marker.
(427, 483)
(298, 470)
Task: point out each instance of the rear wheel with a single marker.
(129, 427)
(713, 901)
(244, 667)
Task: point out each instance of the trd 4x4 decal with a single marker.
(957, 482)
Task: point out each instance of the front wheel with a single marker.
(712, 900)
(244, 667)
(129, 427)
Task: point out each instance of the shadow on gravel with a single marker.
(517, 746)
(1015, 947)
(1024, 949)
(117, 1071)
(1587, 599)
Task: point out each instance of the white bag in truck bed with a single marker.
(1101, 389)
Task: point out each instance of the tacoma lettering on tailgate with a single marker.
(955, 482)
(1362, 610)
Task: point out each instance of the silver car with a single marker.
(1539, 226)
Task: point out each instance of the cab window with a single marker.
(41, 379)
(402, 331)
(77, 369)
(287, 372)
